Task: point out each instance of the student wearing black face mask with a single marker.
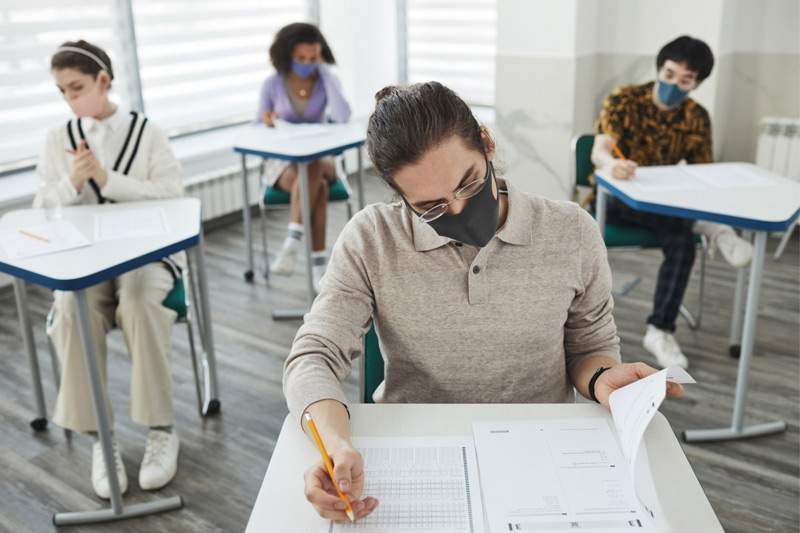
(479, 293)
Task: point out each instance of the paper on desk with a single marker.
(633, 407)
(552, 475)
(425, 484)
(130, 223)
(60, 234)
(289, 130)
(727, 175)
(666, 179)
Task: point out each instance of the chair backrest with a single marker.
(372, 367)
(582, 166)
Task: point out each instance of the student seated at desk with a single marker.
(302, 90)
(479, 292)
(657, 124)
(107, 154)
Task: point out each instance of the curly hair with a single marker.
(280, 53)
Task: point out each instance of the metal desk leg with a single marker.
(734, 341)
(248, 233)
(21, 295)
(737, 429)
(360, 179)
(212, 404)
(600, 209)
(305, 210)
(117, 510)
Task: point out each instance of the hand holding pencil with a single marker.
(334, 485)
(621, 168)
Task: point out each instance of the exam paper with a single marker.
(60, 234)
(289, 130)
(727, 175)
(658, 179)
(423, 484)
(553, 475)
(130, 223)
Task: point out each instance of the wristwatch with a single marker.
(594, 380)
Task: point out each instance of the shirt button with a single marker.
(476, 270)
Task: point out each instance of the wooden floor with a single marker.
(753, 485)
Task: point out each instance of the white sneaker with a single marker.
(664, 347)
(160, 462)
(284, 262)
(736, 251)
(100, 474)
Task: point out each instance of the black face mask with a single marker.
(476, 224)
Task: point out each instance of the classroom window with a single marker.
(202, 62)
(30, 103)
(453, 42)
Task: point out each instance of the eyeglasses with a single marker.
(467, 191)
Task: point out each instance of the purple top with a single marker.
(327, 93)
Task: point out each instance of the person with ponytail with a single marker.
(479, 292)
(105, 153)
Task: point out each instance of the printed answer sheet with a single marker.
(60, 235)
(130, 223)
(423, 484)
(666, 179)
(727, 175)
(555, 475)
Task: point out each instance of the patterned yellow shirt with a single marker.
(649, 136)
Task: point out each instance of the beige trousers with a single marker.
(132, 302)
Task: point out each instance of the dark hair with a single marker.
(280, 53)
(409, 121)
(78, 61)
(694, 52)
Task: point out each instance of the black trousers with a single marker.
(677, 245)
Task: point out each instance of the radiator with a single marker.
(220, 189)
(778, 146)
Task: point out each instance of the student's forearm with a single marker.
(583, 374)
(332, 422)
(602, 152)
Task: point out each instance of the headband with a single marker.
(86, 53)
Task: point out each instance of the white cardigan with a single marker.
(152, 170)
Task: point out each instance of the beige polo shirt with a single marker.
(506, 323)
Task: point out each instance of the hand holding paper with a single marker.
(620, 376)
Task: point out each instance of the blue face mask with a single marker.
(303, 70)
(670, 94)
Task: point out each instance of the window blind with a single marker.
(453, 42)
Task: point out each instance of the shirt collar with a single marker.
(113, 122)
(517, 229)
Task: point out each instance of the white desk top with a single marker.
(268, 142)
(771, 206)
(83, 267)
(281, 505)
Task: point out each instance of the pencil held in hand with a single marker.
(328, 464)
(619, 153)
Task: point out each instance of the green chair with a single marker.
(270, 198)
(629, 237)
(177, 300)
(371, 366)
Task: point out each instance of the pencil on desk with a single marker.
(619, 153)
(328, 464)
(33, 235)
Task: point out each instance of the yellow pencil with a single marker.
(618, 152)
(328, 463)
(33, 235)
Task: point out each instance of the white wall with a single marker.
(363, 36)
